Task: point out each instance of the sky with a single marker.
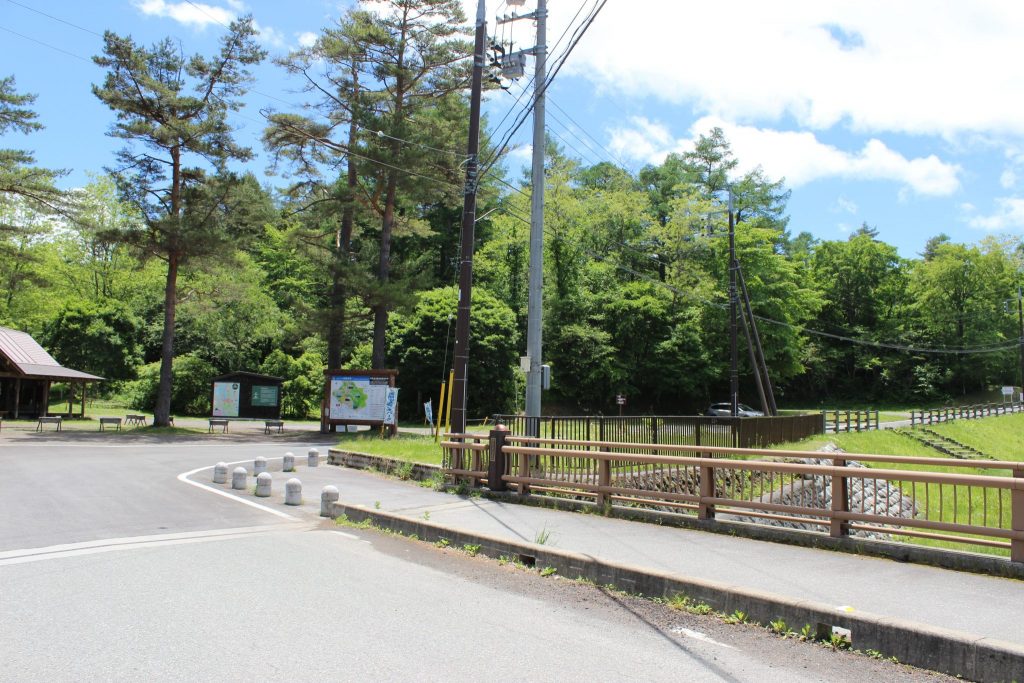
(904, 115)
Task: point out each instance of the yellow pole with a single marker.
(440, 414)
(451, 383)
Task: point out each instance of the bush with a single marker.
(190, 388)
(303, 381)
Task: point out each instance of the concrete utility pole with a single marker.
(457, 408)
(536, 284)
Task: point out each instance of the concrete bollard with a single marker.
(220, 473)
(259, 465)
(313, 457)
(293, 492)
(289, 462)
(238, 477)
(263, 483)
(328, 497)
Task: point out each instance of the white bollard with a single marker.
(259, 465)
(220, 473)
(328, 497)
(263, 483)
(293, 492)
(289, 462)
(313, 457)
(238, 477)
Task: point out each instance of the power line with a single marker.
(52, 47)
(50, 16)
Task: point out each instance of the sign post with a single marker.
(621, 400)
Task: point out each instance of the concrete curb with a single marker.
(954, 652)
(362, 461)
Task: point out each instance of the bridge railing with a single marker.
(820, 492)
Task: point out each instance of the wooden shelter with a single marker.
(246, 395)
(26, 373)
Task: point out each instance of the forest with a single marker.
(188, 257)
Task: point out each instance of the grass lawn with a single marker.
(409, 447)
(950, 505)
(1001, 437)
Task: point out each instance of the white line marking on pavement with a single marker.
(352, 537)
(697, 635)
(54, 552)
(184, 476)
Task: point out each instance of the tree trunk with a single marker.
(162, 412)
(335, 332)
(380, 309)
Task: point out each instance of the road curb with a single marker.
(953, 652)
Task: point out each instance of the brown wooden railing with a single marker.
(742, 432)
(825, 494)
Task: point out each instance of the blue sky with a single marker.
(904, 115)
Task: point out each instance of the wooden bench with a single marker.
(270, 424)
(135, 420)
(217, 422)
(104, 421)
(49, 421)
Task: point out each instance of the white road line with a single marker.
(697, 635)
(348, 535)
(54, 552)
(184, 476)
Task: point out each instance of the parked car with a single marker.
(725, 410)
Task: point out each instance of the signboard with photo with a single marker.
(225, 399)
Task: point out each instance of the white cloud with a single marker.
(1008, 216)
(1008, 179)
(199, 15)
(799, 157)
(845, 205)
(915, 66)
(307, 39)
(268, 35)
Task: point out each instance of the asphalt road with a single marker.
(111, 568)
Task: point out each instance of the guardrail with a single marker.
(928, 416)
(850, 420)
(741, 432)
(823, 491)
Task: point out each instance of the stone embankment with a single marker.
(869, 496)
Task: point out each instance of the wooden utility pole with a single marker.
(457, 409)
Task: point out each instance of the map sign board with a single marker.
(353, 397)
(225, 399)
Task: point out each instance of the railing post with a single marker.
(654, 429)
(604, 478)
(706, 510)
(1017, 519)
(847, 421)
(840, 502)
(498, 464)
(877, 426)
(524, 472)
(858, 420)
(476, 465)
(912, 417)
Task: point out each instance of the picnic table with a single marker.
(104, 421)
(135, 420)
(270, 424)
(218, 422)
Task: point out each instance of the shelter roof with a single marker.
(249, 375)
(31, 360)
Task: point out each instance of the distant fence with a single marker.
(850, 420)
(929, 416)
(822, 492)
(684, 430)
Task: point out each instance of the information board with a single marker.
(225, 399)
(264, 396)
(358, 398)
